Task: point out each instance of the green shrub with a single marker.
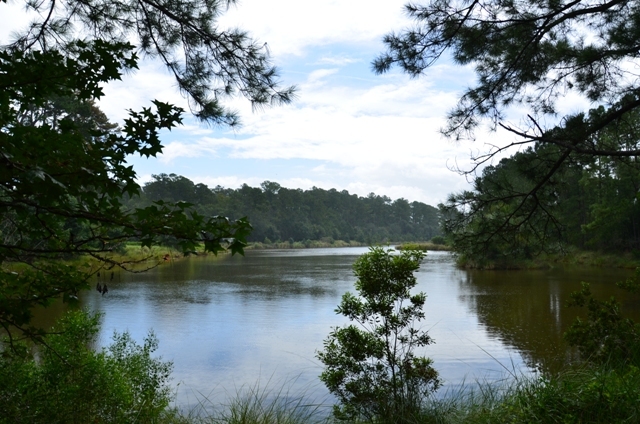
(372, 368)
(605, 337)
(68, 382)
(438, 240)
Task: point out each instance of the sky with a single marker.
(348, 129)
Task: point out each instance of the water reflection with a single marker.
(527, 309)
(465, 352)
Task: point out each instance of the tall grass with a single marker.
(584, 394)
(261, 404)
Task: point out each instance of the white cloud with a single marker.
(316, 77)
(338, 60)
(137, 89)
(175, 149)
(13, 18)
(291, 26)
(229, 181)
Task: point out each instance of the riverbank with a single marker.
(311, 244)
(571, 257)
(307, 244)
(134, 252)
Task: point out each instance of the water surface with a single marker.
(232, 322)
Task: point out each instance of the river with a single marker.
(231, 323)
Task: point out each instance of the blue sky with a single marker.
(349, 129)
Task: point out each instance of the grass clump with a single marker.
(579, 395)
(261, 405)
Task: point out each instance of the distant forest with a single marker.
(281, 214)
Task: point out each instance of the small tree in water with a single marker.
(371, 367)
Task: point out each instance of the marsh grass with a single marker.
(581, 394)
(584, 392)
(262, 403)
(423, 246)
(307, 244)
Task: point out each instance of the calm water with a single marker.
(233, 322)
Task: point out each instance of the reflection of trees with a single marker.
(526, 309)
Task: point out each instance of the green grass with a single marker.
(586, 395)
(261, 405)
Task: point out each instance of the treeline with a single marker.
(549, 199)
(282, 214)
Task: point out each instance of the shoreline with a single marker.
(626, 260)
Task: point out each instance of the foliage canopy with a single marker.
(208, 63)
(531, 54)
(63, 171)
(590, 202)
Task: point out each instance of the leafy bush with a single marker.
(372, 368)
(438, 240)
(605, 336)
(68, 382)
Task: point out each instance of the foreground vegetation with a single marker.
(125, 384)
